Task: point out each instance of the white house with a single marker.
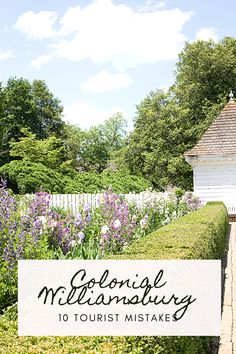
(213, 160)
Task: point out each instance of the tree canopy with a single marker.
(158, 141)
(165, 126)
(205, 73)
(92, 149)
(168, 124)
(50, 151)
(27, 105)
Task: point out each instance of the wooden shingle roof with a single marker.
(220, 138)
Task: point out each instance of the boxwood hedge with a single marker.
(199, 235)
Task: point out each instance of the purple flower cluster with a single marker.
(20, 235)
(39, 205)
(114, 224)
(192, 202)
(8, 207)
(118, 225)
(30, 232)
(34, 230)
(66, 232)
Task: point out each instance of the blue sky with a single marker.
(103, 56)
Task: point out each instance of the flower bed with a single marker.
(36, 231)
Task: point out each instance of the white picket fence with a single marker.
(74, 202)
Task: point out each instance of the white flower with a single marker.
(73, 243)
(143, 222)
(104, 229)
(167, 220)
(117, 224)
(174, 214)
(53, 224)
(167, 211)
(81, 236)
(42, 219)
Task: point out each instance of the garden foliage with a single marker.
(31, 229)
(24, 176)
(199, 235)
(20, 238)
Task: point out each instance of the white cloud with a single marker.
(108, 33)
(104, 32)
(37, 25)
(41, 60)
(207, 33)
(86, 115)
(70, 22)
(104, 81)
(6, 55)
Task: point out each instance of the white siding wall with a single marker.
(216, 181)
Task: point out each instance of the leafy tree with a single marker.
(114, 130)
(94, 151)
(74, 137)
(167, 125)
(50, 152)
(24, 176)
(205, 73)
(48, 111)
(158, 141)
(26, 105)
(91, 182)
(118, 161)
(123, 182)
(94, 147)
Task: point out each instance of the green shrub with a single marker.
(29, 177)
(198, 235)
(122, 182)
(90, 182)
(85, 182)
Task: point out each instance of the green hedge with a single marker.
(199, 235)
(89, 182)
(29, 177)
